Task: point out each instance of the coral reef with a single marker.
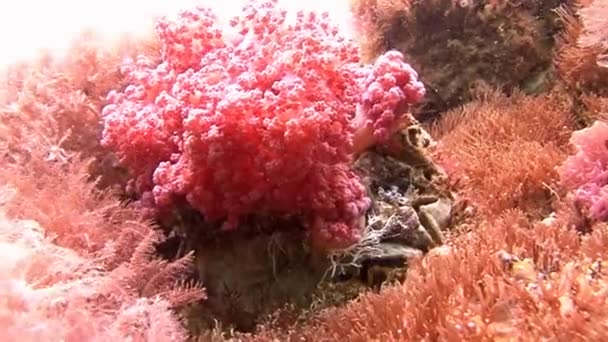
(272, 180)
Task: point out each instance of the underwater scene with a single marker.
(436, 172)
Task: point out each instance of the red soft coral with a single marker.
(586, 172)
(257, 121)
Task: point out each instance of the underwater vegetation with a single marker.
(461, 47)
(442, 177)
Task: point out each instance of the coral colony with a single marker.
(442, 177)
(262, 122)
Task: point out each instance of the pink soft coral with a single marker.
(388, 87)
(259, 120)
(586, 172)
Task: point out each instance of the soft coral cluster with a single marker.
(388, 89)
(586, 172)
(259, 120)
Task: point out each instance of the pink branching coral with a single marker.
(261, 118)
(586, 172)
